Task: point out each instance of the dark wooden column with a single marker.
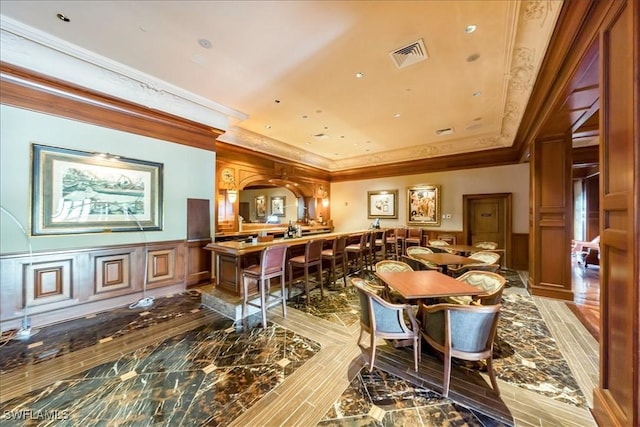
(552, 213)
(616, 400)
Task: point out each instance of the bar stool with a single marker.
(359, 250)
(272, 264)
(414, 237)
(337, 253)
(312, 257)
(390, 249)
(380, 245)
(401, 235)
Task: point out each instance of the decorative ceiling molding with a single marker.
(34, 50)
(527, 41)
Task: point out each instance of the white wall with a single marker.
(349, 199)
(188, 173)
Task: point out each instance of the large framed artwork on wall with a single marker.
(382, 204)
(423, 205)
(75, 191)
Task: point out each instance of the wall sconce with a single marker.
(325, 196)
(232, 195)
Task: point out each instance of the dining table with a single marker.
(424, 286)
(443, 259)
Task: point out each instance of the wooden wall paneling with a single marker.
(617, 398)
(198, 264)
(62, 285)
(519, 251)
(592, 194)
(552, 218)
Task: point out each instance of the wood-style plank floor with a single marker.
(304, 397)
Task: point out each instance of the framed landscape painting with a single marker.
(382, 204)
(74, 191)
(423, 205)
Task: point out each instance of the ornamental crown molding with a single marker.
(29, 48)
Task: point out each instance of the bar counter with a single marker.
(232, 257)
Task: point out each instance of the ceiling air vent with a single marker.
(409, 54)
(445, 131)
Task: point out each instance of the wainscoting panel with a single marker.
(55, 286)
(48, 282)
(113, 272)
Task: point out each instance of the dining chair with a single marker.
(442, 245)
(492, 285)
(412, 250)
(337, 255)
(465, 332)
(486, 245)
(487, 261)
(272, 265)
(392, 266)
(382, 319)
(312, 258)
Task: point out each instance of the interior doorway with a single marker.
(487, 217)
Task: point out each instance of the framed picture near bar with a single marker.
(423, 205)
(75, 191)
(261, 207)
(278, 205)
(382, 204)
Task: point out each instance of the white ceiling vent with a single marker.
(409, 54)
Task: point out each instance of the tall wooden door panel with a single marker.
(487, 221)
(617, 399)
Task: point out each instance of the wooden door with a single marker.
(487, 217)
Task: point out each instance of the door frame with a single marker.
(467, 199)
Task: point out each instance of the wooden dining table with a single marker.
(426, 284)
(443, 259)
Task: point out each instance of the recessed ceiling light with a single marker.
(205, 43)
(477, 93)
(470, 29)
(305, 116)
(396, 115)
(473, 57)
(267, 126)
(359, 75)
(63, 18)
(277, 101)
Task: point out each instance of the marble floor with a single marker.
(180, 363)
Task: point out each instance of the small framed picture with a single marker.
(423, 205)
(261, 207)
(382, 204)
(278, 205)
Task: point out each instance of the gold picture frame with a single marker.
(423, 205)
(382, 204)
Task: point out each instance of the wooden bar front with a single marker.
(232, 257)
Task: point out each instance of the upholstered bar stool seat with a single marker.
(312, 258)
(272, 265)
(414, 237)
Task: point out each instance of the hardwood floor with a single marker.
(586, 296)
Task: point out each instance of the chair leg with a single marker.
(282, 295)
(245, 298)
(492, 376)
(320, 280)
(373, 350)
(416, 352)
(344, 270)
(263, 302)
(447, 374)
